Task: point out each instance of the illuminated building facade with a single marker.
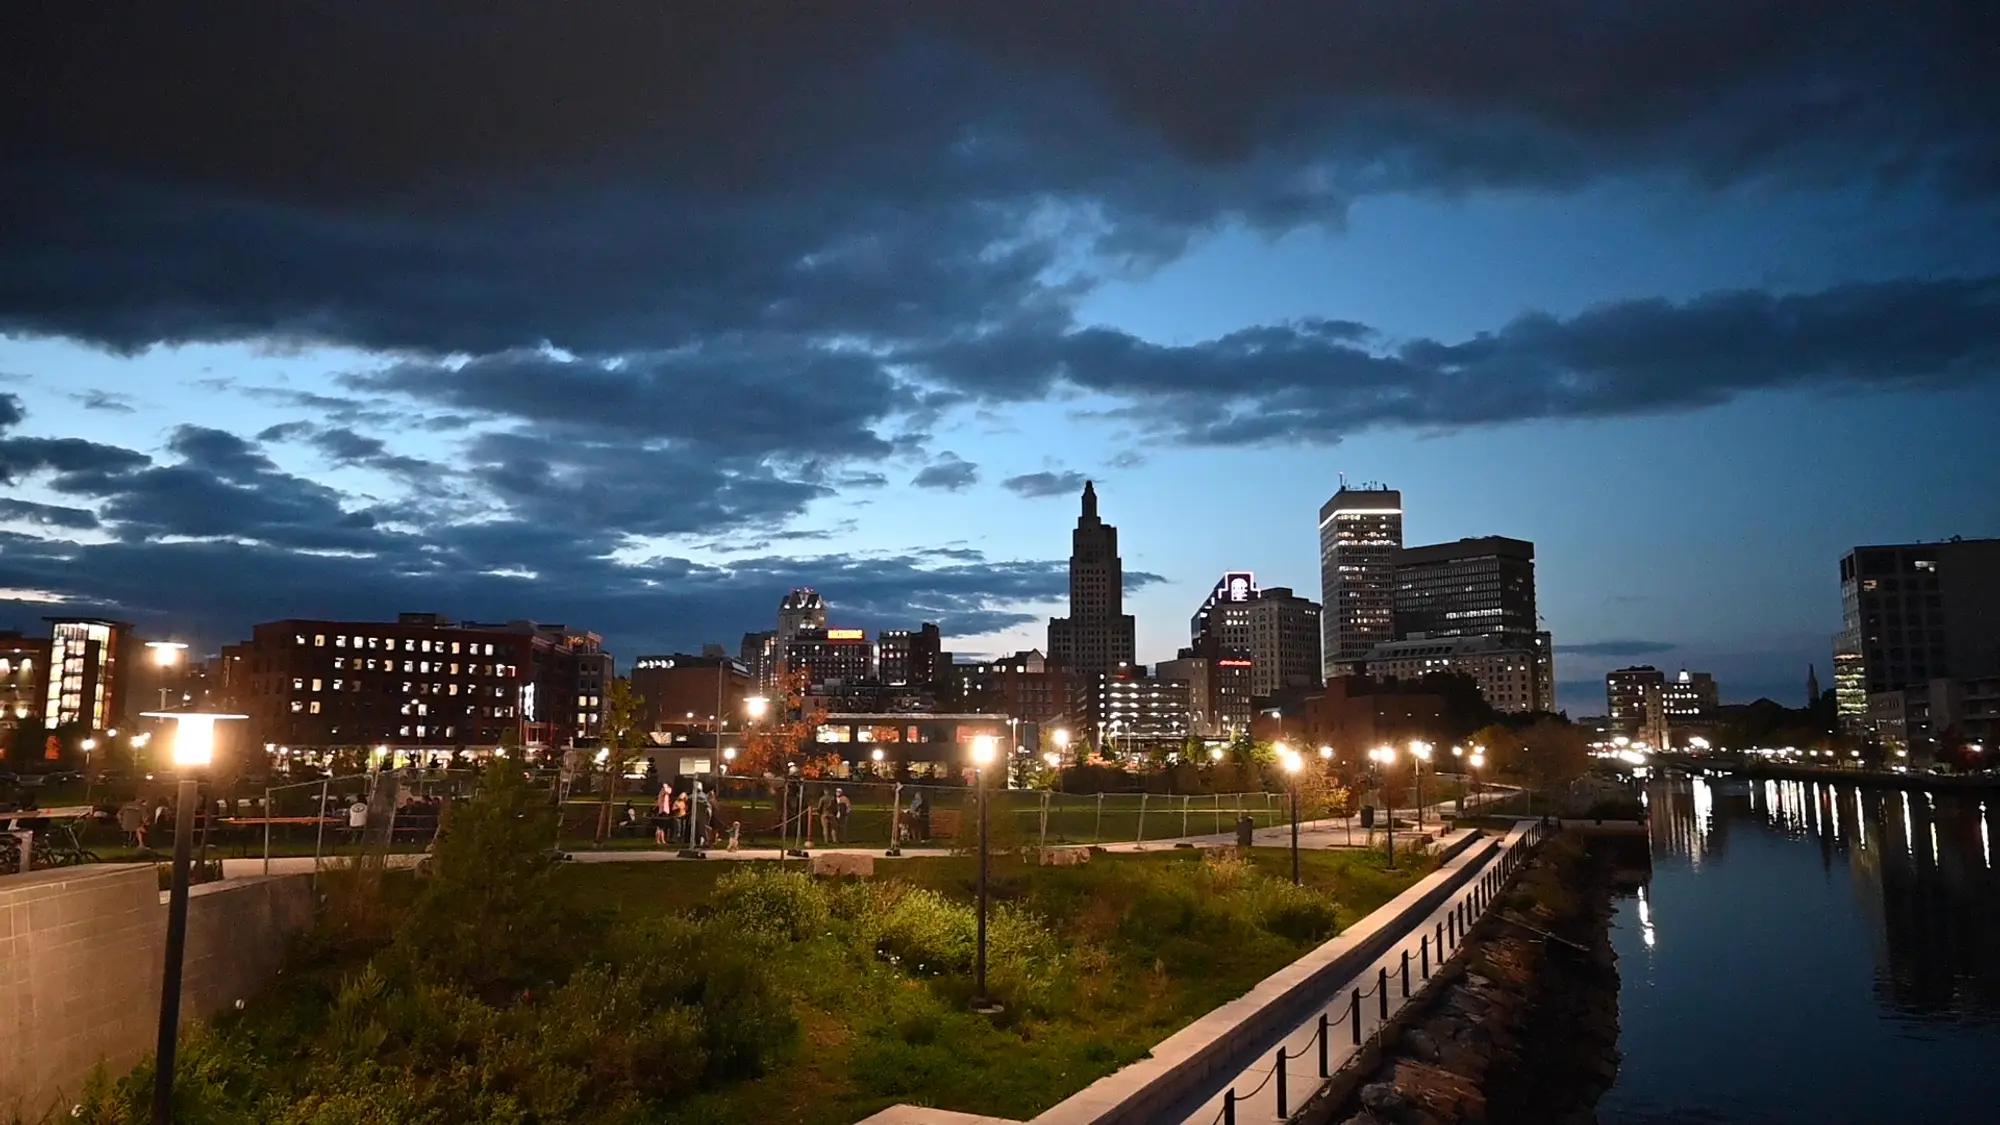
(1276, 629)
(1912, 613)
(1220, 687)
(911, 657)
(23, 661)
(1508, 675)
(1139, 712)
(1360, 541)
(85, 681)
(828, 657)
(420, 683)
(1025, 686)
(691, 693)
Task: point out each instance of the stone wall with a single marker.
(80, 960)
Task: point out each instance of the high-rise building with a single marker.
(1647, 706)
(420, 683)
(826, 657)
(1096, 639)
(1360, 538)
(759, 653)
(1484, 588)
(1635, 698)
(23, 661)
(1278, 630)
(85, 684)
(911, 658)
(1912, 613)
(1219, 687)
(803, 608)
(1471, 588)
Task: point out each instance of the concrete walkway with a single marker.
(1388, 983)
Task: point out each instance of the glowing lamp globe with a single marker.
(984, 746)
(194, 735)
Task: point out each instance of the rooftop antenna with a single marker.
(1343, 480)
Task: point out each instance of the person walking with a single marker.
(842, 809)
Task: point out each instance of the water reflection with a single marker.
(1809, 950)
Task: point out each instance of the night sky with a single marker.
(633, 319)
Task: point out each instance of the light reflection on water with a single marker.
(1809, 951)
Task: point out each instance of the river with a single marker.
(1813, 952)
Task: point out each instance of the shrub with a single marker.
(770, 900)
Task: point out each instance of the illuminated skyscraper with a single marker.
(1360, 540)
(1096, 639)
(86, 681)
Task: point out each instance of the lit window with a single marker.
(315, 706)
(316, 684)
(319, 640)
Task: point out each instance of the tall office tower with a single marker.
(1482, 588)
(1360, 537)
(1096, 638)
(1912, 613)
(1278, 630)
(910, 658)
(1472, 588)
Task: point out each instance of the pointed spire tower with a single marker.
(1096, 639)
(1812, 686)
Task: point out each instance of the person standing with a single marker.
(826, 807)
(842, 808)
(663, 807)
(132, 822)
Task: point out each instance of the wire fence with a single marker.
(796, 813)
(1391, 988)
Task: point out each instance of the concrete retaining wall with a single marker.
(80, 962)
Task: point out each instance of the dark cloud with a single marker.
(105, 401)
(1618, 648)
(47, 515)
(1045, 483)
(949, 472)
(285, 431)
(631, 178)
(726, 397)
(1320, 380)
(74, 457)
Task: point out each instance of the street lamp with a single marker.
(166, 654)
(755, 707)
(1326, 753)
(983, 747)
(1215, 753)
(194, 748)
(1420, 752)
(876, 755)
(1477, 762)
(1383, 756)
(728, 758)
(1292, 763)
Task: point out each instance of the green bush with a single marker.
(761, 898)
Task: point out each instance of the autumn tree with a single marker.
(622, 740)
(773, 739)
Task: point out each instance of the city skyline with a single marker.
(569, 346)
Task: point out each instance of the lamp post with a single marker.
(1292, 762)
(982, 756)
(1383, 757)
(166, 654)
(1477, 762)
(1420, 752)
(194, 747)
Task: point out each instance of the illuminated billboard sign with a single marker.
(652, 663)
(846, 635)
(1233, 663)
(1236, 586)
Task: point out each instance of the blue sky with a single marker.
(644, 354)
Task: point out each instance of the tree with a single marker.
(1552, 755)
(773, 740)
(621, 739)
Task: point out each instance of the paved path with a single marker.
(1331, 832)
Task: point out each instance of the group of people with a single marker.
(139, 818)
(833, 811)
(676, 810)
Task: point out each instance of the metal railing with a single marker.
(1434, 948)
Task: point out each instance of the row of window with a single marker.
(409, 644)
